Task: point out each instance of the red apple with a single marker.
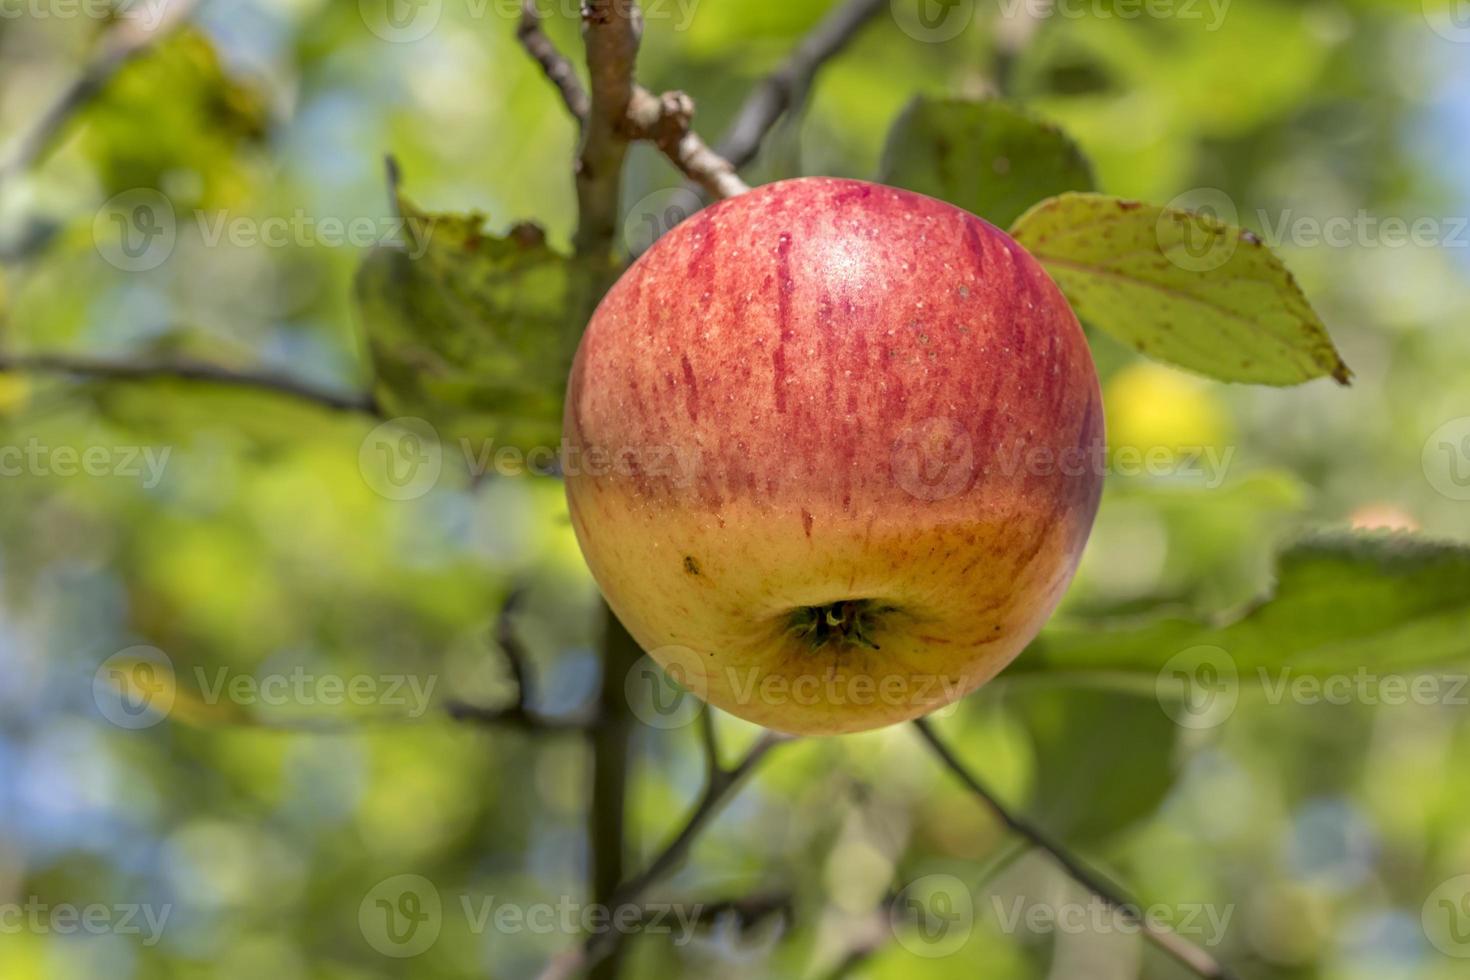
(832, 452)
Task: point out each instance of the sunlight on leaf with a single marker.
(1182, 288)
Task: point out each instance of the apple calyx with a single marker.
(847, 622)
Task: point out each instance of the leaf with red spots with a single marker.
(988, 157)
(1182, 287)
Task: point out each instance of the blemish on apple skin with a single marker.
(690, 565)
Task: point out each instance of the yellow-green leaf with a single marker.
(1181, 287)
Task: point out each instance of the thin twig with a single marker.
(709, 739)
(125, 39)
(513, 650)
(556, 66)
(719, 789)
(883, 931)
(786, 86)
(611, 30)
(517, 717)
(185, 370)
(1186, 953)
(664, 120)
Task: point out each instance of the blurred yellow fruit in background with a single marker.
(1151, 407)
(15, 394)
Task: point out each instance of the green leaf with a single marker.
(1103, 759)
(1181, 287)
(988, 157)
(1342, 602)
(473, 332)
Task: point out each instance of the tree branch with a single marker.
(720, 787)
(1184, 952)
(186, 370)
(611, 30)
(513, 650)
(785, 87)
(516, 717)
(127, 38)
(556, 66)
(607, 814)
(664, 120)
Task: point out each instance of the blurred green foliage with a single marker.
(271, 543)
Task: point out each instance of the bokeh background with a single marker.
(263, 546)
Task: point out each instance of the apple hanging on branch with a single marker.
(834, 450)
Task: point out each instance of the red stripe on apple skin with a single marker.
(794, 344)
